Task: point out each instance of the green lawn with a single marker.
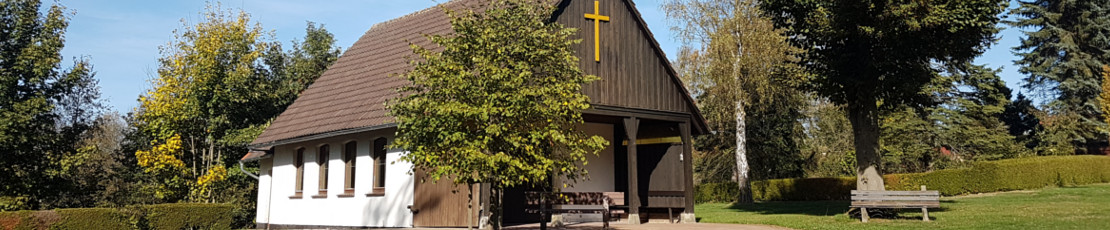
(1081, 207)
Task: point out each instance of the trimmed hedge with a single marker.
(1008, 175)
(161, 216)
(189, 216)
(26, 220)
(94, 218)
(779, 190)
(981, 177)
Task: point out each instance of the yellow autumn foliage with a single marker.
(214, 175)
(162, 157)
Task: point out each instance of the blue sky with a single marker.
(122, 37)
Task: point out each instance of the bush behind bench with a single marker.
(159, 216)
(981, 177)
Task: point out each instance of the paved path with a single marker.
(649, 226)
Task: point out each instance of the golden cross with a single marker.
(597, 17)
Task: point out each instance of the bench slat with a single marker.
(896, 204)
(869, 192)
(617, 198)
(892, 198)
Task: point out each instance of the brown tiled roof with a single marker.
(352, 93)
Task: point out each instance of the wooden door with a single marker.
(434, 205)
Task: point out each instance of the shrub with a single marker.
(13, 203)
(779, 190)
(1008, 175)
(17, 220)
(803, 189)
(981, 177)
(93, 218)
(715, 192)
(189, 216)
(161, 216)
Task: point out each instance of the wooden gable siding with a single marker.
(632, 74)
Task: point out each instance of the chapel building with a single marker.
(324, 161)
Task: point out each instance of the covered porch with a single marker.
(649, 161)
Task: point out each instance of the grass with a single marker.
(1080, 207)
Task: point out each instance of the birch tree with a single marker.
(730, 58)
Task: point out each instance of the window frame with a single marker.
(323, 156)
(350, 157)
(298, 165)
(379, 156)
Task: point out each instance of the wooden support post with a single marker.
(631, 127)
(670, 215)
(687, 215)
(924, 211)
(863, 215)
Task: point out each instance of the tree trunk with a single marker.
(495, 207)
(211, 153)
(864, 116)
(193, 153)
(742, 180)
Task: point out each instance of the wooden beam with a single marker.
(687, 170)
(631, 127)
(638, 113)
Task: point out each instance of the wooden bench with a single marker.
(553, 203)
(923, 199)
(669, 200)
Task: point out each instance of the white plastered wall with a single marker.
(264, 182)
(600, 172)
(390, 210)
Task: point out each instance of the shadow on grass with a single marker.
(812, 208)
(818, 208)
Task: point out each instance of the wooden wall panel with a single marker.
(632, 72)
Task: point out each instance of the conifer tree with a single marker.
(1066, 43)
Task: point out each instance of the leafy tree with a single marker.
(1056, 134)
(43, 107)
(310, 58)
(100, 173)
(164, 162)
(870, 54)
(499, 105)
(965, 126)
(206, 87)
(731, 57)
(220, 82)
(827, 140)
(1062, 54)
(910, 140)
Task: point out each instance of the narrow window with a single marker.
(349, 151)
(322, 161)
(379, 166)
(298, 162)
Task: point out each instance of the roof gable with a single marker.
(634, 71)
(351, 94)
